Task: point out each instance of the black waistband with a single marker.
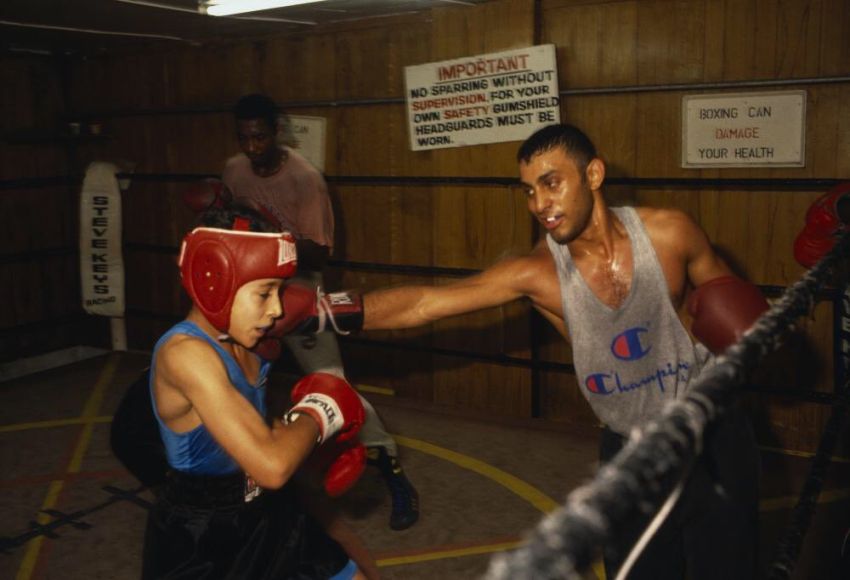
(205, 490)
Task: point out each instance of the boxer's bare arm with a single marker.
(410, 306)
(189, 367)
(683, 249)
(703, 263)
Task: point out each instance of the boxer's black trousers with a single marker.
(710, 535)
(201, 528)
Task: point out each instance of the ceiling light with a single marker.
(228, 7)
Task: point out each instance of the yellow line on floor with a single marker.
(34, 546)
(787, 502)
(793, 453)
(441, 554)
(597, 568)
(526, 491)
(377, 390)
(88, 417)
(50, 423)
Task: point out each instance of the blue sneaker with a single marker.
(405, 498)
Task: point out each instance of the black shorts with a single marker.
(201, 528)
(710, 535)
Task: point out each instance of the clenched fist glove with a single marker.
(723, 309)
(337, 409)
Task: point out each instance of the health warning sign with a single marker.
(491, 98)
(744, 130)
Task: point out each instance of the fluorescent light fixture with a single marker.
(228, 7)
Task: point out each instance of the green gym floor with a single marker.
(68, 510)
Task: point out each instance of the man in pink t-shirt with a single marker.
(283, 185)
(295, 194)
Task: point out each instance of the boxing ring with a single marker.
(565, 542)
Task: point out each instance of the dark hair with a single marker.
(256, 106)
(569, 137)
(223, 218)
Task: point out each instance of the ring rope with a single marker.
(788, 547)
(655, 458)
(792, 539)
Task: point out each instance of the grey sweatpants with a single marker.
(322, 356)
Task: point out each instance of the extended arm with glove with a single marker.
(723, 309)
(336, 408)
(309, 310)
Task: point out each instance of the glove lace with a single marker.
(326, 313)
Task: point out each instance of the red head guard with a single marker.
(215, 263)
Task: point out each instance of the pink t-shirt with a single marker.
(297, 195)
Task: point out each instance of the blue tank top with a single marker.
(629, 360)
(196, 451)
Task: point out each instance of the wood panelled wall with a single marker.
(39, 267)
(153, 102)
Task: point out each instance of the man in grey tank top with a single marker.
(612, 281)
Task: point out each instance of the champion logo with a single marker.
(595, 383)
(628, 344)
(607, 384)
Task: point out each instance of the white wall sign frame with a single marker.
(491, 98)
(765, 129)
(306, 135)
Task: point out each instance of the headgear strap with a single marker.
(215, 263)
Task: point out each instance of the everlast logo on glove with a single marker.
(323, 409)
(340, 299)
(323, 403)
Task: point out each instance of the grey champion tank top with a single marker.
(629, 360)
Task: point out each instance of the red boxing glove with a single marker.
(340, 464)
(331, 402)
(827, 218)
(260, 209)
(307, 310)
(723, 309)
(202, 195)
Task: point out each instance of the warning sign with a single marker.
(491, 98)
(744, 130)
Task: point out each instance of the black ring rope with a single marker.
(789, 545)
(656, 457)
(74, 180)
